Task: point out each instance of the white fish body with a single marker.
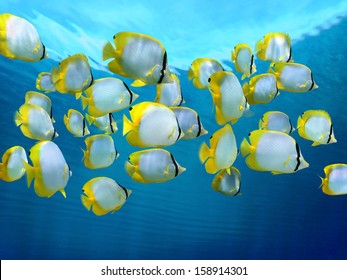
(12, 167)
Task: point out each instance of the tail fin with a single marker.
(245, 147)
(90, 119)
(78, 95)
(108, 51)
(84, 102)
(87, 203)
(30, 171)
(204, 152)
(127, 125)
(18, 119)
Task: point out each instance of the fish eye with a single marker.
(82, 190)
(209, 79)
(114, 36)
(249, 134)
(29, 153)
(130, 108)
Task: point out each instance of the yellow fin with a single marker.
(138, 83)
(30, 172)
(85, 102)
(78, 94)
(210, 166)
(62, 191)
(245, 147)
(204, 152)
(66, 119)
(87, 202)
(190, 74)
(90, 119)
(315, 143)
(127, 125)
(108, 51)
(18, 119)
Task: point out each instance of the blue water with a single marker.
(276, 217)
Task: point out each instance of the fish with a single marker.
(170, 94)
(138, 56)
(189, 122)
(73, 75)
(200, 71)
(261, 89)
(105, 123)
(335, 181)
(228, 182)
(100, 151)
(274, 47)
(272, 151)
(44, 82)
(107, 95)
(20, 40)
(75, 123)
(49, 171)
(41, 100)
(152, 166)
(35, 123)
(293, 77)
(316, 125)
(228, 97)
(151, 125)
(103, 195)
(276, 120)
(243, 59)
(222, 151)
(12, 167)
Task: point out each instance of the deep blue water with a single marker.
(276, 217)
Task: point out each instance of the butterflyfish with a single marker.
(261, 89)
(228, 97)
(107, 95)
(44, 82)
(105, 123)
(275, 120)
(151, 125)
(335, 181)
(100, 151)
(103, 195)
(170, 94)
(272, 151)
(200, 71)
(316, 125)
(293, 77)
(275, 47)
(75, 123)
(138, 56)
(189, 122)
(73, 75)
(34, 122)
(222, 151)
(243, 59)
(228, 182)
(12, 167)
(19, 39)
(152, 165)
(41, 100)
(49, 171)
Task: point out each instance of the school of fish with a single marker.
(153, 125)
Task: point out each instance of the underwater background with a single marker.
(275, 217)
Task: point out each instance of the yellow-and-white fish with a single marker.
(261, 89)
(100, 151)
(201, 69)
(243, 58)
(19, 39)
(275, 120)
(107, 95)
(50, 170)
(222, 152)
(335, 181)
(227, 181)
(152, 165)
(152, 125)
(272, 151)
(104, 195)
(189, 122)
(105, 123)
(44, 82)
(316, 125)
(170, 94)
(138, 56)
(35, 123)
(293, 77)
(75, 123)
(73, 75)
(12, 167)
(41, 100)
(275, 47)
(228, 97)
